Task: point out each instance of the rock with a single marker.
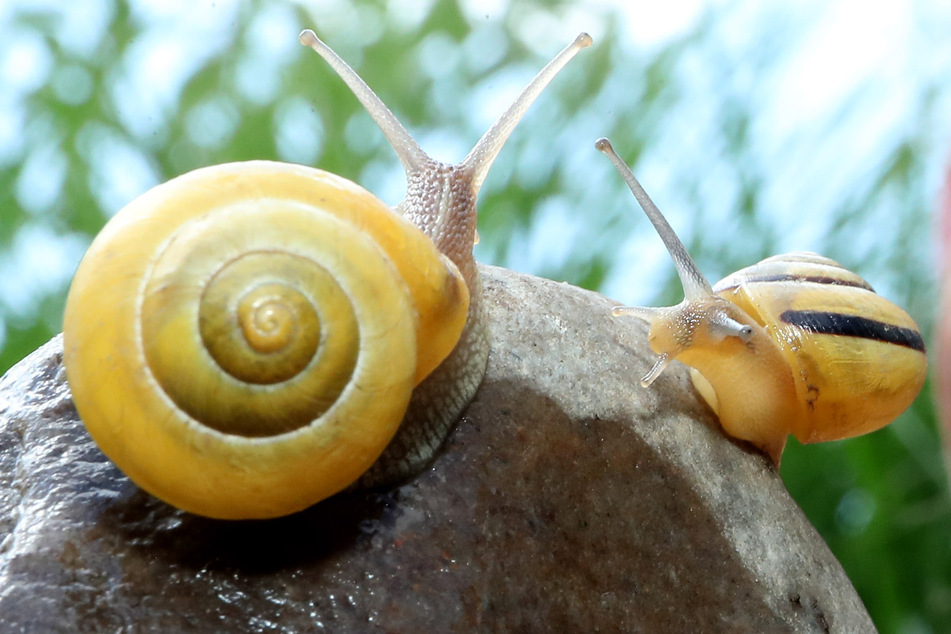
(568, 499)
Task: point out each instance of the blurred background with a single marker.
(757, 128)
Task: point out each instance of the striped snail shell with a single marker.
(250, 338)
(795, 344)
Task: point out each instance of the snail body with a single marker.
(795, 344)
(250, 338)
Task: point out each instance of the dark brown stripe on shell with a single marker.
(856, 282)
(828, 323)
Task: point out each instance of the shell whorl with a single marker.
(252, 367)
(798, 266)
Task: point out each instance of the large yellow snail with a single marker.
(250, 338)
(795, 344)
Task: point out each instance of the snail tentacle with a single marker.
(694, 283)
(482, 155)
(410, 154)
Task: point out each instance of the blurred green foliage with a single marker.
(750, 128)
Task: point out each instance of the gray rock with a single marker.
(568, 499)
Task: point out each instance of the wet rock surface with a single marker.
(567, 499)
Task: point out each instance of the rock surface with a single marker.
(568, 499)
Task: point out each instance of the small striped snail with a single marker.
(248, 339)
(795, 344)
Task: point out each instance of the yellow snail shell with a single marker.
(256, 298)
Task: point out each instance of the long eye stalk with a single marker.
(695, 284)
(483, 154)
(410, 154)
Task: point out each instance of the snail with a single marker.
(248, 339)
(795, 344)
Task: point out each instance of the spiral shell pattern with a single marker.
(243, 340)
